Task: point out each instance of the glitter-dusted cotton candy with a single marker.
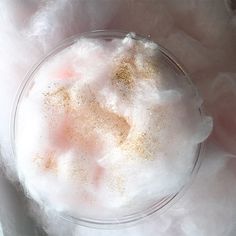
(107, 127)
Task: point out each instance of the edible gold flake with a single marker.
(59, 98)
(46, 162)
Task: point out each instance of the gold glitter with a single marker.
(58, 98)
(148, 70)
(127, 70)
(99, 118)
(123, 74)
(46, 162)
(141, 145)
(80, 173)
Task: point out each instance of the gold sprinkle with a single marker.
(58, 98)
(128, 70)
(124, 75)
(140, 144)
(80, 173)
(99, 118)
(148, 70)
(46, 162)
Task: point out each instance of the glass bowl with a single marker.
(160, 205)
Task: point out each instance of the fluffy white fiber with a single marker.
(107, 128)
(200, 34)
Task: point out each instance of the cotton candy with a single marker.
(98, 122)
(199, 34)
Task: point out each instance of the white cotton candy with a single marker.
(184, 46)
(206, 22)
(148, 18)
(98, 155)
(200, 34)
(17, 56)
(56, 20)
(1, 232)
(29, 29)
(205, 198)
(222, 97)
